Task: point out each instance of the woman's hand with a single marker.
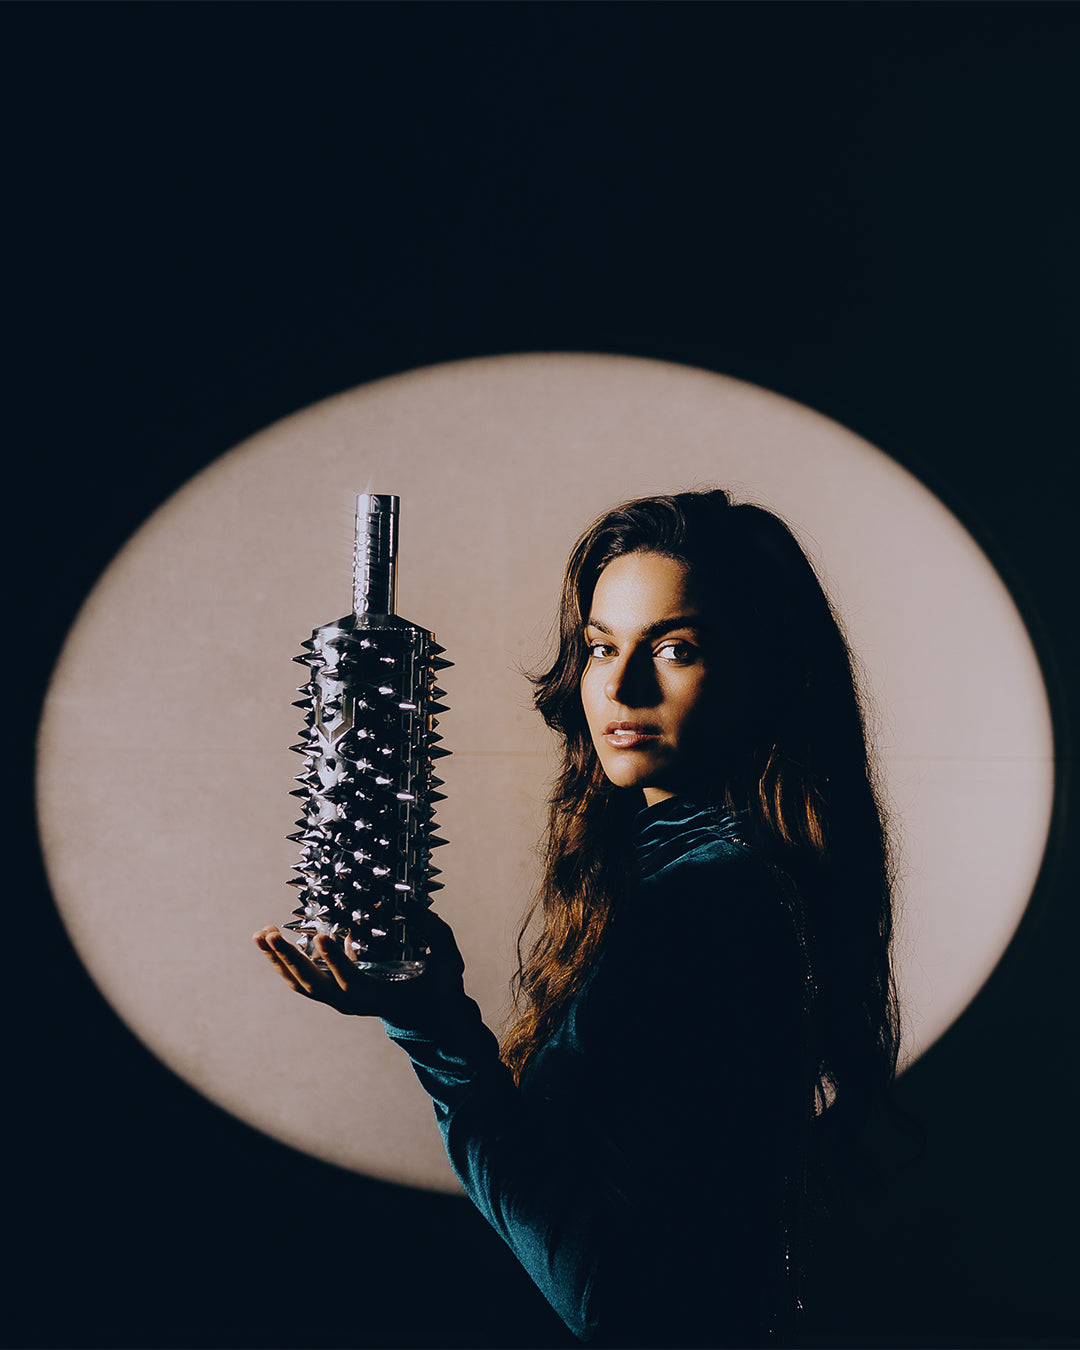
(352, 991)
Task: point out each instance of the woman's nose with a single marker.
(614, 681)
(627, 683)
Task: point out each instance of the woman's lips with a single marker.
(630, 735)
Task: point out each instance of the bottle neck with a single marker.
(375, 555)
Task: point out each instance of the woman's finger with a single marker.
(300, 973)
(279, 966)
(339, 965)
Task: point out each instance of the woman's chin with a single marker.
(640, 776)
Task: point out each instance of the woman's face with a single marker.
(644, 687)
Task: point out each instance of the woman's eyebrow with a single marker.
(656, 629)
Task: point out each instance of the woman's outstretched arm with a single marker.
(631, 1193)
(502, 1157)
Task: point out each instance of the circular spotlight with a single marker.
(164, 767)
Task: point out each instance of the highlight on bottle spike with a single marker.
(368, 786)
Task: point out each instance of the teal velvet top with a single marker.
(642, 1170)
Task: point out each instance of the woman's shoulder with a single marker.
(706, 952)
(724, 858)
(677, 832)
(703, 856)
(705, 896)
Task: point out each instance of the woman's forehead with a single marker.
(638, 589)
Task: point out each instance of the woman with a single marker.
(711, 967)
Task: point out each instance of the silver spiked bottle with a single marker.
(368, 789)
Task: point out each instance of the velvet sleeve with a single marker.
(510, 1166)
(635, 1175)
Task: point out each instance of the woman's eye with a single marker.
(598, 650)
(680, 652)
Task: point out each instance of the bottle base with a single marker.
(391, 970)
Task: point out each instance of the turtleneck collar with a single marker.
(669, 829)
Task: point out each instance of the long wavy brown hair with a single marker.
(791, 760)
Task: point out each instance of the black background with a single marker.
(224, 212)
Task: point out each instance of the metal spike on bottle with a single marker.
(366, 832)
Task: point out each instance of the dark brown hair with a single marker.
(793, 762)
